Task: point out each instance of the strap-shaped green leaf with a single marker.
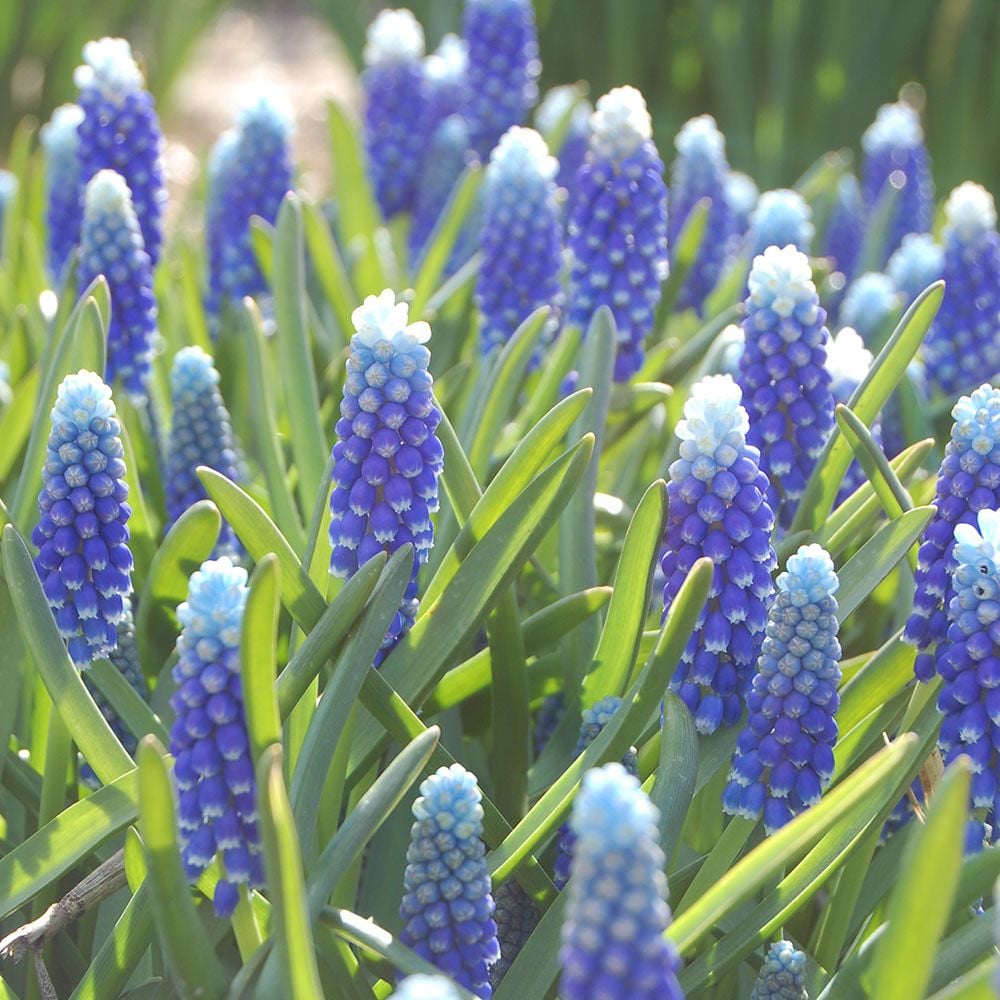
(258, 657)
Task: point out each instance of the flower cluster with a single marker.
(964, 342)
(968, 482)
(917, 263)
(420, 987)
(447, 908)
(717, 507)
(896, 162)
(786, 387)
(780, 218)
(846, 228)
(784, 757)
(503, 68)
(516, 917)
(387, 459)
(111, 244)
(613, 943)
(82, 536)
(783, 974)
(521, 237)
(618, 226)
(199, 435)
(212, 763)
(551, 117)
(120, 131)
(700, 171)
(59, 138)
(871, 301)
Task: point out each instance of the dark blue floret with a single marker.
(516, 917)
(846, 228)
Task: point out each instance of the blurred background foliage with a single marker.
(786, 79)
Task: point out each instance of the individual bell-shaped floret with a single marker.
(917, 263)
(780, 218)
(59, 138)
(783, 974)
(871, 303)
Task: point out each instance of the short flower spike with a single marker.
(870, 302)
(59, 138)
(783, 974)
(82, 534)
(212, 763)
(447, 906)
(613, 943)
(717, 506)
(618, 226)
(917, 263)
(780, 218)
(784, 757)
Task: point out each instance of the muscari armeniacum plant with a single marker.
(516, 917)
(917, 263)
(782, 975)
(784, 757)
(780, 218)
(717, 506)
(845, 230)
(59, 138)
(618, 226)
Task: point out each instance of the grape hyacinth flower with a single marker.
(82, 535)
(421, 987)
(551, 114)
(444, 72)
(8, 192)
(968, 482)
(250, 172)
(521, 237)
(613, 944)
(516, 917)
(896, 160)
(447, 908)
(59, 138)
(918, 263)
(700, 171)
(964, 341)
(121, 132)
(784, 757)
(717, 507)
(618, 226)
(387, 459)
(741, 195)
(395, 108)
(111, 244)
(783, 974)
(780, 218)
(502, 76)
(846, 229)
(786, 387)
(212, 763)
(200, 435)
(871, 301)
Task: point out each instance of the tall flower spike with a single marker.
(59, 139)
(447, 908)
(970, 669)
(212, 764)
(521, 237)
(199, 435)
(120, 131)
(917, 263)
(783, 974)
(896, 160)
(82, 535)
(786, 387)
(550, 116)
(250, 172)
(445, 71)
(784, 757)
(613, 944)
(387, 459)
(700, 171)
(846, 228)
(516, 917)
(717, 507)
(968, 482)
(111, 244)
(871, 301)
(742, 195)
(503, 68)
(964, 342)
(780, 218)
(618, 226)
(421, 987)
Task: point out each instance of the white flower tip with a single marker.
(449, 60)
(381, 317)
(559, 102)
(620, 123)
(896, 126)
(109, 66)
(847, 358)
(266, 111)
(970, 211)
(712, 412)
(395, 36)
(741, 192)
(58, 134)
(783, 277)
(700, 138)
(107, 193)
(521, 153)
(811, 571)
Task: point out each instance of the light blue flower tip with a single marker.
(847, 359)
(81, 398)
(714, 419)
(612, 812)
(448, 63)
(194, 369)
(700, 138)
(917, 263)
(421, 987)
(782, 975)
(741, 192)
(970, 212)
(109, 67)
(217, 595)
(108, 194)
(620, 123)
(521, 157)
(809, 576)
(869, 301)
(781, 217)
(59, 134)
(266, 114)
(896, 126)
(395, 36)
(781, 280)
(557, 104)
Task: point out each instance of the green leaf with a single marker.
(128, 704)
(330, 269)
(258, 657)
(888, 671)
(929, 870)
(684, 253)
(889, 490)
(674, 785)
(16, 421)
(979, 984)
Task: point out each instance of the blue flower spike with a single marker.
(780, 218)
(82, 534)
(717, 507)
(421, 987)
(396, 108)
(846, 229)
(387, 458)
(59, 138)
(700, 171)
(613, 943)
(870, 302)
(120, 131)
(447, 906)
(550, 116)
(782, 975)
(213, 768)
(784, 757)
(964, 342)
(618, 226)
(968, 482)
(521, 237)
(503, 70)
(917, 263)
(516, 917)
(111, 244)
(786, 387)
